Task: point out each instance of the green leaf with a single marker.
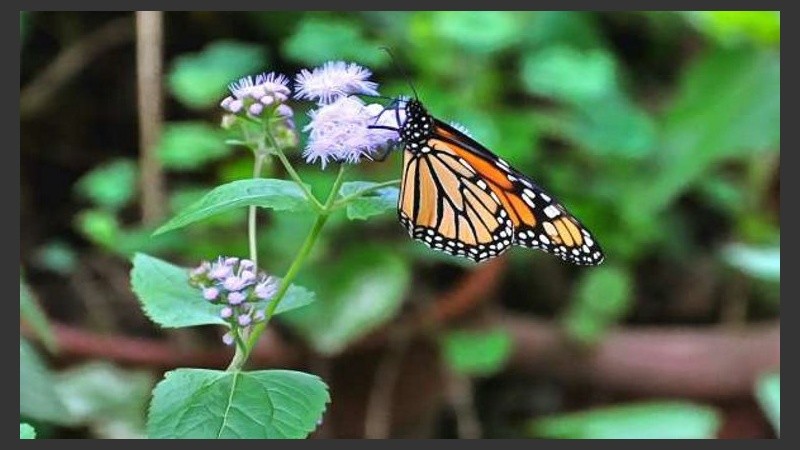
(167, 298)
(57, 256)
(362, 291)
(280, 195)
(573, 28)
(318, 40)
(373, 203)
(200, 80)
(603, 297)
(26, 431)
(476, 352)
(737, 27)
(111, 185)
(763, 263)
(38, 398)
(264, 404)
(31, 311)
(110, 400)
(479, 31)
(184, 196)
(651, 420)
(570, 75)
(100, 226)
(728, 106)
(768, 394)
(190, 145)
(611, 126)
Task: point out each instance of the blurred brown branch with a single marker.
(711, 363)
(70, 61)
(157, 353)
(149, 49)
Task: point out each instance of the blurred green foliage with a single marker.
(200, 79)
(38, 398)
(476, 353)
(602, 298)
(191, 145)
(23, 25)
(26, 431)
(31, 311)
(112, 401)
(736, 27)
(57, 256)
(363, 290)
(768, 394)
(318, 40)
(652, 420)
(763, 263)
(111, 185)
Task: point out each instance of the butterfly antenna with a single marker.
(400, 69)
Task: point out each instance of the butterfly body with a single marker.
(458, 197)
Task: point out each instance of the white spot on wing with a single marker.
(551, 211)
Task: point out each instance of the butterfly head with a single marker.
(417, 127)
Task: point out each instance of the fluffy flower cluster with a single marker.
(340, 131)
(268, 91)
(332, 80)
(342, 126)
(234, 284)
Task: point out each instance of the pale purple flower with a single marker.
(235, 106)
(255, 109)
(263, 90)
(236, 298)
(264, 84)
(227, 338)
(202, 269)
(247, 275)
(340, 132)
(220, 270)
(211, 293)
(233, 283)
(333, 80)
(267, 288)
(244, 320)
(285, 111)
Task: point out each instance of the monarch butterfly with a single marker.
(458, 197)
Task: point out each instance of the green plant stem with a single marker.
(318, 207)
(240, 357)
(251, 219)
(345, 200)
